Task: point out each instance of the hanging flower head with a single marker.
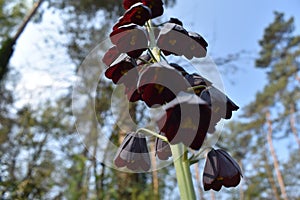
(156, 84)
(220, 170)
(156, 6)
(133, 153)
(186, 120)
(162, 149)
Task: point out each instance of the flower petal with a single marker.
(172, 39)
(130, 39)
(210, 172)
(156, 84)
(186, 120)
(137, 14)
(162, 149)
(111, 55)
(156, 7)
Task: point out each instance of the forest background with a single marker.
(255, 44)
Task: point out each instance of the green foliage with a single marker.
(11, 14)
(279, 56)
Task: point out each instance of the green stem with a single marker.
(147, 131)
(197, 87)
(155, 52)
(183, 173)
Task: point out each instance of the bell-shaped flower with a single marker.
(186, 119)
(125, 72)
(110, 56)
(156, 6)
(130, 39)
(220, 170)
(162, 149)
(195, 46)
(221, 105)
(172, 39)
(133, 153)
(137, 14)
(159, 83)
(119, 70)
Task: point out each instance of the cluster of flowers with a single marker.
(192, 105)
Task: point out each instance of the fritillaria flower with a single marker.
(125, 72)
(172, 39)
(221, 105)
(137, 14)
(156, 6)
(119, 70)
(186, 120)
(162, 149)
(130, 39)
(133, 153)
(156, 84)
(110, 56)
(195, 46)
(128, 3)
(220, 170)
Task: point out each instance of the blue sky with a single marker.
(232, 26)
(229, 27)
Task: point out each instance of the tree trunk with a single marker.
(275, 159)
(7, 49)
(241, 184)
(298, 78)
(270, 176)
(212, 195)
(198, 180)
(292, 124)
(155, 183)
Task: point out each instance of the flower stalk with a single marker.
(183, 173)
(181, 164)
(154, 51)
(179, 151)
(147, 131)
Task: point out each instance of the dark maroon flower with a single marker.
(195, 80)
(172, 39)
(128, 3)
(137, 14)
(110, 56)
(125, 72)
(156, 6)
(133, 153)
(130, 39)
(221, 105)
(175, 21)
(120, 69)
(162, 149)
(159, 83)
(220, 169)
(179, 68)
(196, 46)
(186, 120)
